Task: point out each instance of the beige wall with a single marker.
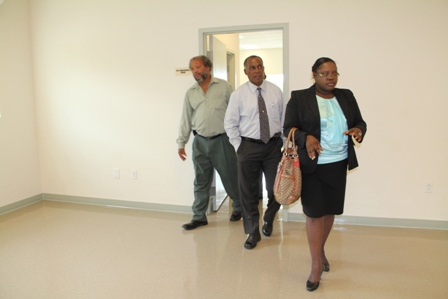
(19, 162)
(232, 42)
(107, 95)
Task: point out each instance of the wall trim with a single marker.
(115, 203)
(20, 204)
(383, 222)
(292, 217)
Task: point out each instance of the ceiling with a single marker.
(272, 39)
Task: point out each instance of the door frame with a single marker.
(247, 28)
(203, 32)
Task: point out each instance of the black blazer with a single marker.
(302, 112)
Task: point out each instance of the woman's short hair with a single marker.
(321, 61)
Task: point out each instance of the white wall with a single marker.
(107, 95)
(19, 162)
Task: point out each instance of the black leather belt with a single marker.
(259, 141)
(211, 137)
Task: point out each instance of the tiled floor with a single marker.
(60, 250)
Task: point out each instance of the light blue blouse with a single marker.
(333, 124)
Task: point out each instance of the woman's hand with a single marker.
(355, 133)
(313, 146)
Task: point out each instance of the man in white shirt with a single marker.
(257, 141)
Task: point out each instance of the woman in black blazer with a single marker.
(327, 119)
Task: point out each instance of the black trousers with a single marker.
(253, 158)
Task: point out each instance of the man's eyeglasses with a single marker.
(328, 74)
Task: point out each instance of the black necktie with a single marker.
(265, 135)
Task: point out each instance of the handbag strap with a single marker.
(292, 140)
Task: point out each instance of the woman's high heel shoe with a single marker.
(326, 267)
(312, 286)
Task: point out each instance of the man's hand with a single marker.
(182, 154)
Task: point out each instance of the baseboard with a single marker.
(117, 203)
(384, 222)
(292, 217)
(20, 204)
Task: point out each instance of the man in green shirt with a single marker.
(203, 113)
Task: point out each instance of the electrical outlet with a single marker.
(116, 173)
(134, 174)
(428, 188)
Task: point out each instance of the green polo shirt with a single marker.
(204, 112)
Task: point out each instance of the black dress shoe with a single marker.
(312, 286)
(194, 224)
(236, 215)
(326, 267)
(252, 241)
(267, 229)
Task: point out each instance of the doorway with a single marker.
(267, 41)
(227, 47)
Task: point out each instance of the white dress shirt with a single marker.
(242, 116)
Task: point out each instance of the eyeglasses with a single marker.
(328, 74)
